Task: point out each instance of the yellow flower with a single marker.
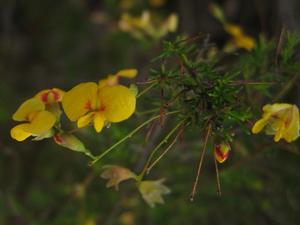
(114, 79)
(281, 120)
(147, 25)
(50, 96)
(239, 38)
(221, 152)
(87, 102)
(38, 120)
(51, 99)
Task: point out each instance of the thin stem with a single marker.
(165, 140)
(97, 158)
(200, 162)
(147, 82)
(147, 111)
(286, 87)
(165, 151)
(146, 89)
(245, 82)
(218, 177)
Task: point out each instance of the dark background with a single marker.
(46, 43)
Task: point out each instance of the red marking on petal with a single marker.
(44, 97)
(58, 139)
(88, 105)
(102, 109)
(56, 95)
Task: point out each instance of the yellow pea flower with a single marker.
(239, 38)
(114, 79)
(51, 99)
(50, 96)
(38, 120)
(88, 102)
(147, 25)
(281, 120)
(221, 152)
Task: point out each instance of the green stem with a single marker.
(165, 140)
(166, 150)
(97, 158)
(147, 111)
(286, 87)
(146, 89)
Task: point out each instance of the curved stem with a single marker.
(165, 151)
(200, 162)
(286, 87)
(166, 138)
(97, 158)
(146, 89)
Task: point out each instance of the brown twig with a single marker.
(200, 162)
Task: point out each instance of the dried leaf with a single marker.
(152, 191)
(116, 174)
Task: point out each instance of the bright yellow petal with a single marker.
(99, 120)
(18, 132)
(118, 102)
(276, 107)
(85, 120)
(109, 81)
(30, 106)
(128, 73)
(259, 125)
(292, 131)
(79, 100)
(42, 122)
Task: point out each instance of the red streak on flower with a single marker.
(55, 95)
(58, 139)
(102, 109)
(88, 105)
(44, 97)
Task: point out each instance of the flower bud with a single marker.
(221, 152)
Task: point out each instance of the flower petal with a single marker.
(41, 122)
(259, 125)
(28, 107)
(85, 120)
(109, 81)
(128, 73)
(118, 102)
(50, 96)
(279, 133)
(276, 107)
(292, 130)
(99, 120)
(18, 132)
(79, 100)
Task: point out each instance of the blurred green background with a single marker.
(45, 44)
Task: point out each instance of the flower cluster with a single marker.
(99, 103)
(146, 25)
